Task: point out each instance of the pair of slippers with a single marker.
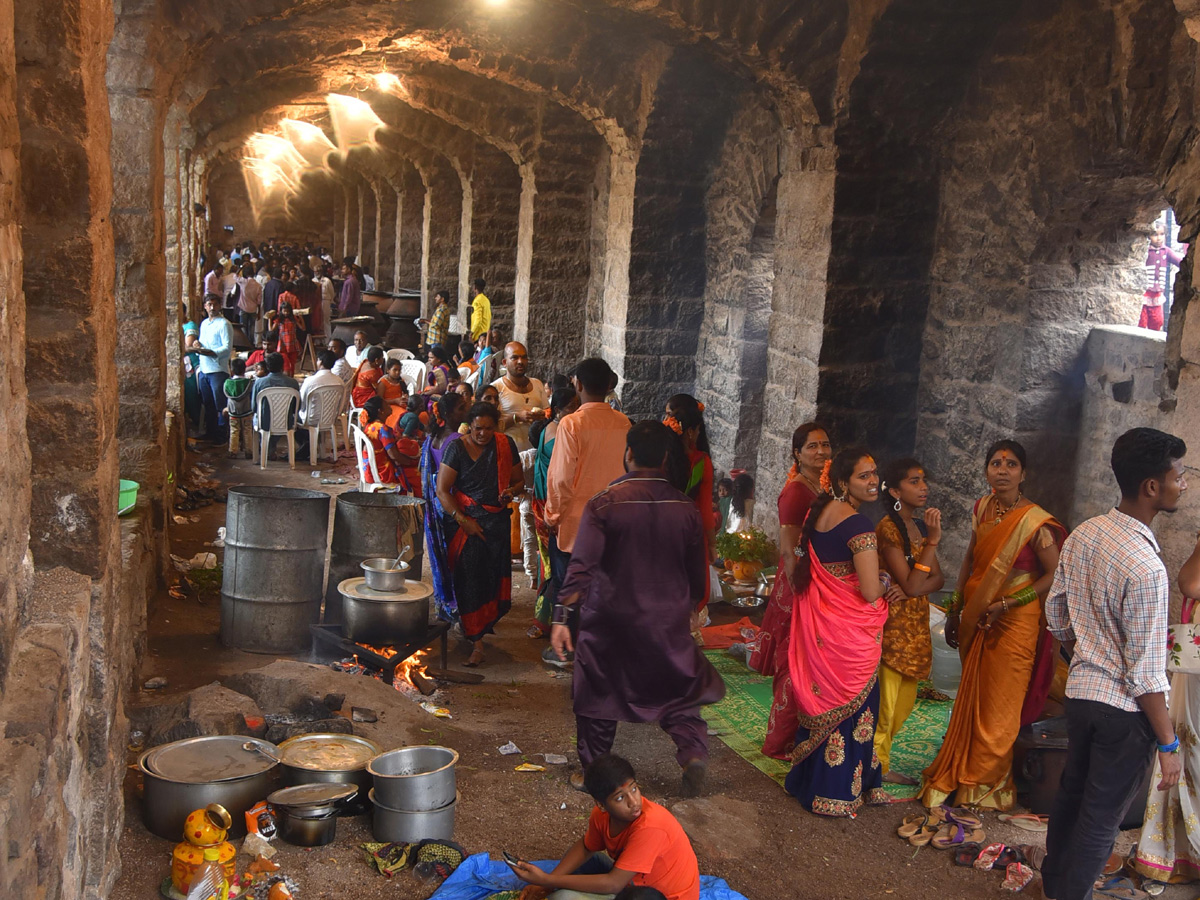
(1017, 873)
(943, 828)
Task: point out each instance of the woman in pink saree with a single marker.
(834, 645)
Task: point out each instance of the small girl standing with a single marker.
(908, 550)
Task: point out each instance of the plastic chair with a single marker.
(282, 404)
(324, 411)
(464, 372)
(413, 371)
(364, 452)
(473, 378)
(400, 353)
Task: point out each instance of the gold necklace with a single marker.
(1001, 513)
(816, 488)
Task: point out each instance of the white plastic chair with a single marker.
(413, 371)
(400, 353)
(364, 452)
(473, 378)
(324, 412)
(464, 372)
(279, 402)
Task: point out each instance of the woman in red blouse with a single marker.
(768, 651)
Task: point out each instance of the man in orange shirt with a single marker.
(589, 454)
(644, 845)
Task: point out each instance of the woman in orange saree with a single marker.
(996, 621)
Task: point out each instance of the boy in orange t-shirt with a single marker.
(644, 843)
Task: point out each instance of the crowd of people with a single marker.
(618, 523)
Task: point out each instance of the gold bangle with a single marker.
(922, 568)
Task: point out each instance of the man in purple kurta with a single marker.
(635, 578)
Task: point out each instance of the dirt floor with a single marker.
(757, 837)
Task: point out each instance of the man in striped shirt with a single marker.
(438, 323)
(1108, 605)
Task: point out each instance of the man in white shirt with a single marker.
(1109, 606)
(324, 376)
(369, 282)
(328, 295)
(356, 354)
(341, 368)
(215, 347)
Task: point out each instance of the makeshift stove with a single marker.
(404, 663)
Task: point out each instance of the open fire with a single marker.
(409, 674)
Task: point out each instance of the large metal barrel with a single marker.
(367, 525)
(275, 541)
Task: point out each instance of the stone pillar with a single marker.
(350, 218)
(368, 224)
(385, 236)
(398, 228)
(412, 228)
(492, 248)
(445, 230)
(464, 242)
(360, 202)
(138, 119)
(339, 225)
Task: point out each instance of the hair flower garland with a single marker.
(794, 472)
(673, 423)
(826, 484)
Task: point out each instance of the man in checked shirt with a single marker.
(1108, 605)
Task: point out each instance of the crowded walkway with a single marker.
(548, 476)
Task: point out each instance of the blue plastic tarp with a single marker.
(479, 877)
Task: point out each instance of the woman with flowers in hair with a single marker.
(448, 415)
(767, 653)
(995, 619)
(838, 616)
(685, 416)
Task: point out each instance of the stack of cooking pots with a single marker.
(415, 794)
(320, 758)
(383, 606)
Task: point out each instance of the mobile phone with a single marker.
(510, 859)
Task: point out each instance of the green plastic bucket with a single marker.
(128, 497)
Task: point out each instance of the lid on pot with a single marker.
(321, 793)
(202, 760)
(328, 752)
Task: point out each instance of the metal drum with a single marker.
(275, 540)
(367, 525)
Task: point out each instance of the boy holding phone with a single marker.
(629, 840)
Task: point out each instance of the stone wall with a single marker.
(739, 285)
(684, 133)
(445, 229)
(1031, 257)
(496, 204)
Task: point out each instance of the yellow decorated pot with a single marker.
(208, 826)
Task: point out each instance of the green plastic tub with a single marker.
(128, 497)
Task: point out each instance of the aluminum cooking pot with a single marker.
(415, 778)
(381, 576)
(197, 772)
(381, 617)
(411, 826)
(306, 831)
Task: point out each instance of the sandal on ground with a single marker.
(1119, 888)
(955, 834)
(988, 857)
(911, 824)
(1115, 863)
(965, 855)
(1009, 856)
(1034, 855)
(1016, 877)
(925, 835)
(959, 814)
(475, 660)
(1027, 821)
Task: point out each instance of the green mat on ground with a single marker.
(740, 720)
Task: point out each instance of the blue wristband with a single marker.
(1169, 748)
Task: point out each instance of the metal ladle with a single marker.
(258, 748)
(403, 550)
